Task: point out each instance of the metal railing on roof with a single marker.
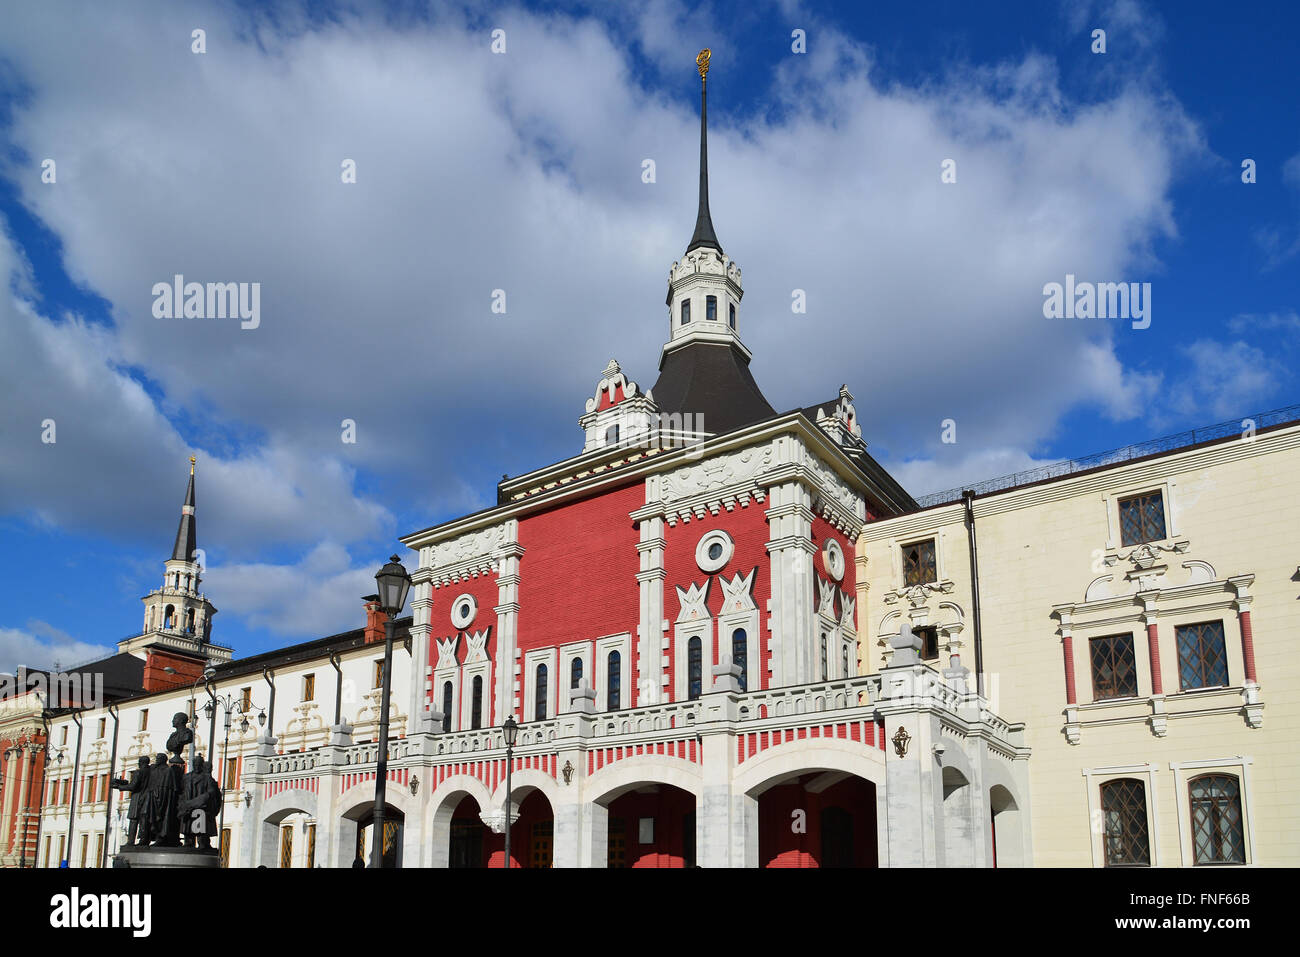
(1168, 443)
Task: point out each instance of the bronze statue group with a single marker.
(169, 806)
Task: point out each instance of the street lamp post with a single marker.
(229, 704)
(510, 731)
(394, 583)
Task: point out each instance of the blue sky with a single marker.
(522, 171)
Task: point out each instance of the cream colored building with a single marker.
(1139, 619)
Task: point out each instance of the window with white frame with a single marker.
(612, 673)
(539, 673)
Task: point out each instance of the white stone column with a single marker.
(507, 611)
(791, 548)
(421, 628)
(651, 646)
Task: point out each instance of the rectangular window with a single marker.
(232, 772)
(1202, 656)
(63, 846)
(711, 308)
(1142, 518)
(929, 636)
(309, 688)
(919, 564)
(48, 843)
(65, 735)
(1114, 667)
(311, 845)
(286, 846)
(245, 700)
(85, 848)
(67, 799)
(225, 847)
(103, 726)
(731, 314)
(686, 311)
(99, 851)
(1124, 813)
(90, 790)
(379, 673)
(144, 719)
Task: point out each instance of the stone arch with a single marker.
(442, 805)
(273, 812)
(528, 779)
(837, 759)
(1007, 822)
(616, 779)
(356, 804)
(960, 815)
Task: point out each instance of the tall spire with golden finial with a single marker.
(186, 534)
(704, 234)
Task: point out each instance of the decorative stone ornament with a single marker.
(463, 610)
(714, 551)
(833, 559)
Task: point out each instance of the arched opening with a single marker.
(471, 843)
(575, 674)
(169, 617)
(446, 706)
(1005, 829)
(286, 841)
(189, 621)
(468, 846)
(959, 820)
(650, 825)
(817, 819)
(358, 828)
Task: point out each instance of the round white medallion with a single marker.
(463, 610)
(714, 550)
(833, 558)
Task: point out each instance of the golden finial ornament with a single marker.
(191, 465)
(702, 61)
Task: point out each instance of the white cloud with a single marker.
(41, 646)
(1225, 379)
(522, 172)
(319, 595)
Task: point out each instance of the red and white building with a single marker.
(671, 614)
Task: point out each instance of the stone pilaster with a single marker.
(507, 611)
(651, 647)
(790, 613)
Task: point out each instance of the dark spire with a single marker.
(704, 235)
(183, 550)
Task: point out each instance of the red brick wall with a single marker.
(578, 572)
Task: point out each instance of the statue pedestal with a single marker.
(186, 857)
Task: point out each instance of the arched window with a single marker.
(686, 311)
(446, 707)
(539, 694)
(169, 617)
(824, 656)
(694, 668)
(189, 621)
(740, 656)
(476, 703)
(1124, 813)
(844, 661)
(575, 674)
(1217, 834)
(611, 435)
(614, 679)
(711, 308)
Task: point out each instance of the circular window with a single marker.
(714, 550)
(833, 558)
(463, 610)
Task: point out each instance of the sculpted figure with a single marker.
(159, 805)
(196, 807)
(180, 737)
(136, 788)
